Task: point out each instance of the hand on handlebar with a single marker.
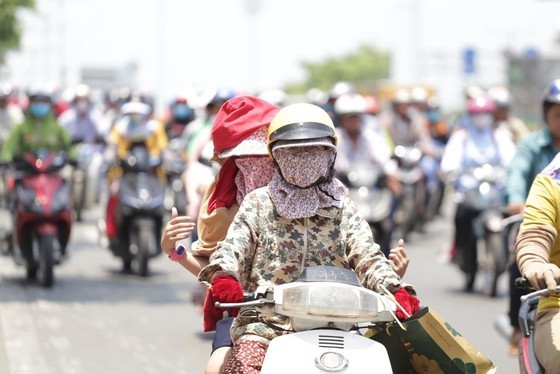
(224, 289)
(410, 303)
(542, 275)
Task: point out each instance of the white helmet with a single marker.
(402, 96)
(500, 95)
(135, 107)
(419, 95)
(341, 88)
(350, 103)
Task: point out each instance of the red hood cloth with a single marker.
(237, 119)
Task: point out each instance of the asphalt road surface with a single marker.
(95, 319)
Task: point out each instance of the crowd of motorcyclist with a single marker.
(414, 151)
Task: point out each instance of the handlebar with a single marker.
(99, 139)
(523, 283)
(259, 302)
(249, 299)
(512, 219)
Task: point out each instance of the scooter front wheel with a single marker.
(140, 260)
(495, 263)
(45, 272)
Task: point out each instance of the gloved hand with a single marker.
(409, 303)
(224, 289)
(542, 275)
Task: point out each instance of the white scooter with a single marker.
(325, 306)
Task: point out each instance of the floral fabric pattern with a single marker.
(246, 357)
(303, 169)
(264, 248)
(254, 172)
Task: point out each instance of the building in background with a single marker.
(164, 45)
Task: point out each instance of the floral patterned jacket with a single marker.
(263, 248)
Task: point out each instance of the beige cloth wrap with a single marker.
(533, 246)
(212, 228)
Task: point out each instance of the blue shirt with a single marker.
(533, 153)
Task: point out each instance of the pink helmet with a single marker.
(372, 105)
(480, 104)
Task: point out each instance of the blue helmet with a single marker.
(551, 93)
(550, 96)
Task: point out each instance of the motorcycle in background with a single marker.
(411, 208)
(41, 213)
(367, 187)
(140, 211)
(174, 164)
(435, 194)
(85, 177)
(485, 194)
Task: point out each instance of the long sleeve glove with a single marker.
(224, 289)
(409, 303)
(533, 252)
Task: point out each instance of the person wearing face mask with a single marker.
(81, 121)
(504, 120)
(473, 145)
(198, 139)
(135, 126)
(39, 130)
(301, 218)
(239, 136)
(180, 115)
(362, 147)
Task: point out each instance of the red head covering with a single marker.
(237, 119)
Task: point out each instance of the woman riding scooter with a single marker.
(301, 218)
(475, 145)
(134, 130)
(239, 142)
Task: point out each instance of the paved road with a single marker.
(97, 320)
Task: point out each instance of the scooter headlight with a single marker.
(61, 198)
(334, 300)
(495, 224)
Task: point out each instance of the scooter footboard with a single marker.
(325, 351)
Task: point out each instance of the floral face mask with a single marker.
(303, 168)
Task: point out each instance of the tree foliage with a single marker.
(365, 66)
(10, 28)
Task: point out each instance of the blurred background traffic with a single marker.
(411, 81)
